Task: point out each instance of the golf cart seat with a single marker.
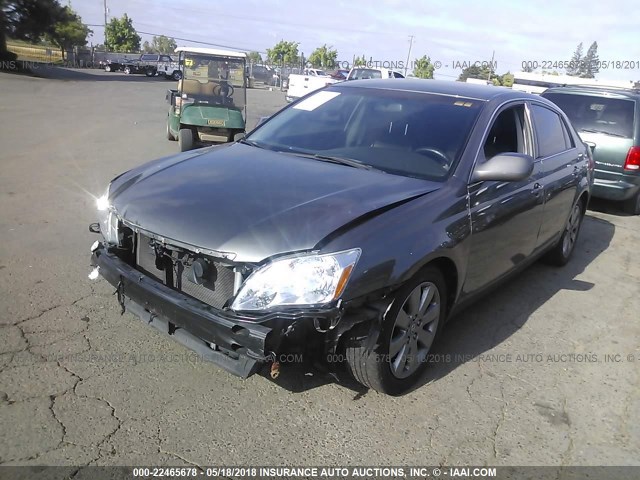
(192, 87)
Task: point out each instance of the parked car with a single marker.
(148, 63)
(349, 226)
(364, 73)
(607, 119)
(263, 73)
(299, 85)
(340, 74)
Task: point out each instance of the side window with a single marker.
(567, 136)
(507, 134)
(164, 58)
(550, 131)
(397, 75)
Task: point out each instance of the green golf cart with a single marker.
(210, 103)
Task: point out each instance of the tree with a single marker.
(590, 64)
(284, 51)
(575, 64)
(506, 80)
(254, 57)
(324, 57)
(121, 36)
(360, 61)
(68, 31)
(26, 20)
(160, 44)
(476, 71)
(423, 67)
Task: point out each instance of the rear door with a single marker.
(563, 164)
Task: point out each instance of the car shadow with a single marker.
(608, 206)
(486, 323)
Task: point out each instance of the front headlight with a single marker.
(108, 218)
(303, 280)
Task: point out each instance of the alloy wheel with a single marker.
(571, 231)
(414, 330)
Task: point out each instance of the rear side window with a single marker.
(365, 74)
(549, 131)
(590, 113)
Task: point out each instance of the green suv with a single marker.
(608, 120)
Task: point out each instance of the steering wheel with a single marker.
(436, 155)
(217, 89)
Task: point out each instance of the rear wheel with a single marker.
(632, 205)
(127, 70)
(107, 68)
(561, 253)
(185, 139)
(410, 327)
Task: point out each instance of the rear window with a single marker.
(590, 113)
(365, 74)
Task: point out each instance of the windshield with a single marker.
(408, 133)
(612, 116)
(217, 80)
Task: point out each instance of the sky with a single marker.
(453, 34)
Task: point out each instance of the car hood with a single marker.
(251, 202)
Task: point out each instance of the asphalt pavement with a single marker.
(545, 371)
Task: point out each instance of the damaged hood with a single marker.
(252, 202)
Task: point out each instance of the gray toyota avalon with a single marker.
(348, 227)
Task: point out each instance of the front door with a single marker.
(505, 216)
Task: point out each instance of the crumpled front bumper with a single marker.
(240, 343)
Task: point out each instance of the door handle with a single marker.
(537, 186)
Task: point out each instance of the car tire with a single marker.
(632, 205)
(127, 70)
(177, 75)
(150, 72)
(397, 362)
(561, 253)
(185, 139)
(107, 68)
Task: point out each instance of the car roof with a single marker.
(211, 51)
(441, 87)
(604, 91)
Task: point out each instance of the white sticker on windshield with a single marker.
(314, 101)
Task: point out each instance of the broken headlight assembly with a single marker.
(294, 281)
(108, 219)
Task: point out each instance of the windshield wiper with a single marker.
(251, 143)
(349, 162)
(593, 130)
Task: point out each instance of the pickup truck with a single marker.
(309, 80)
(362, 73)
(150, 64)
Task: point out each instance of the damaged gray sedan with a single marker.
(349, 226)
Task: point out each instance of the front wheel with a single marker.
(185, 139)
(150, 72)
(127, 70)
(410, 327)
(561, 253)
(107, 68)
(177, 75)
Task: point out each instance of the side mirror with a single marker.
(238, 136)
(505, 167)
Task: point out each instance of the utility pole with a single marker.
(106, 10)
(491, 66)
(408, 55)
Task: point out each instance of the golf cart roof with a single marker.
(211, 51)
